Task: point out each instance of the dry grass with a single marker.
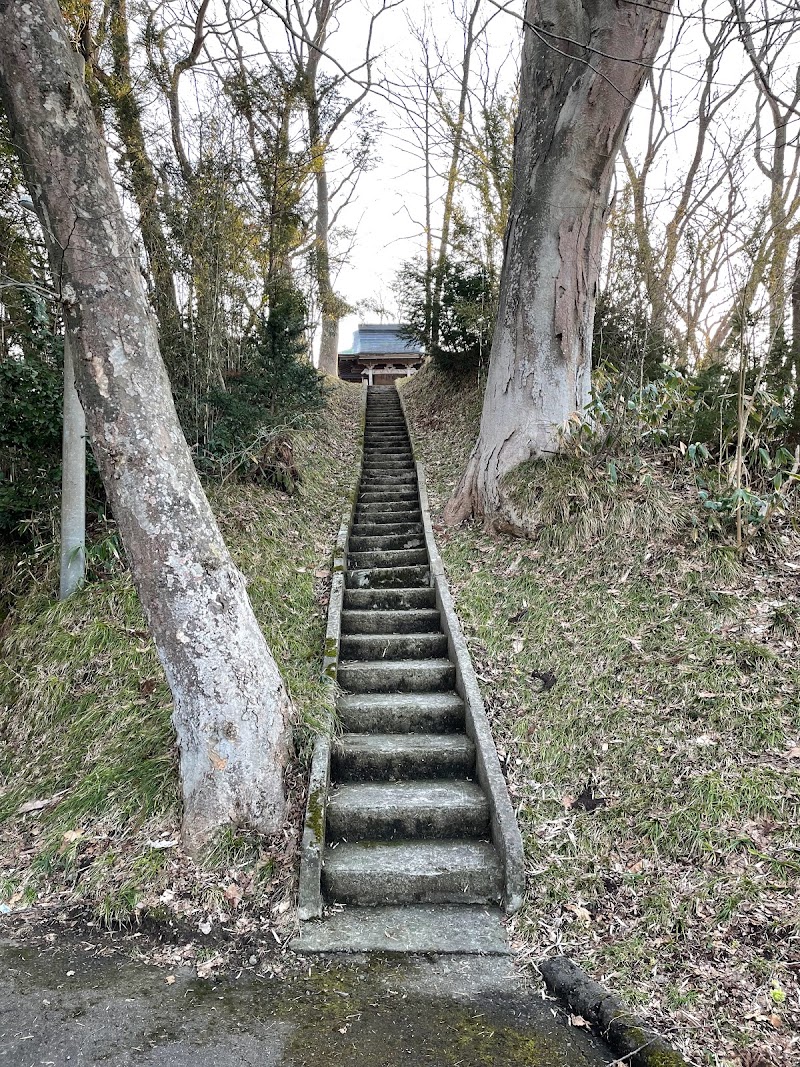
(643, 687)
(85, 712)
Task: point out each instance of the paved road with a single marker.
(446, 1012)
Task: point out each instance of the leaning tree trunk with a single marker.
(583, 65)
(231, 709)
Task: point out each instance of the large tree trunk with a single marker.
(575, 100)
(795, 350)
(330, 304)
(231, 708)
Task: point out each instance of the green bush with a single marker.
(30, 431)
(276, 390)
(468, 308)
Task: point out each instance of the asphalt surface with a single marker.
(63, 1007)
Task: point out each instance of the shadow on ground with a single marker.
(62, 1008)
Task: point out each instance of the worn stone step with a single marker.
(383, 517)
(393, 646)
(389, 543)
(389, 599)
(392, 456)
(463, 929)
(384, 485)
(389, 478)
(410, 621)
(383, 529)
(396, 557)
(393, 757)
(397, 438)
(401, 713)
(396, 676)
(388, 577)
(390, 448)
(413, 872)
(386, 811)
(382, 467)
(391, 493)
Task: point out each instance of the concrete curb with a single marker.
(632, 1041)
(505, 832)
(309, 892)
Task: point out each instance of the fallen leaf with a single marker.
(578, 1020)
(205, 968)
(38, 805)
(578, 910)
(170, 979)
(233, 895)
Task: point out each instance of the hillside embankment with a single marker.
(642, 680)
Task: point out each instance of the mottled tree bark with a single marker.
(330, 304)
(231, 710)
(583, 65)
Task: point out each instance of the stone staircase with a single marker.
(407, 822)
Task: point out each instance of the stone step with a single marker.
(388, 448)
(388, 461)
(417, 928)
(396, 713)
(397, 757)
(384, 485)
(389, 492)
(390, 646)
(414, 872)
(382, 529)
(390, 478)
(386, 437)
(381, 518)
(396, 676)
(388, 811)
(388, 578)
(386, 543)
(410, 621)
(398, 557)
(389, 599)
(393, 458)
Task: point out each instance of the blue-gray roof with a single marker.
(382, 339)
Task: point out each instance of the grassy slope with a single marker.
(643, 689)
(85, 710)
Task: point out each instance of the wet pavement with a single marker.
(61, 1007)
